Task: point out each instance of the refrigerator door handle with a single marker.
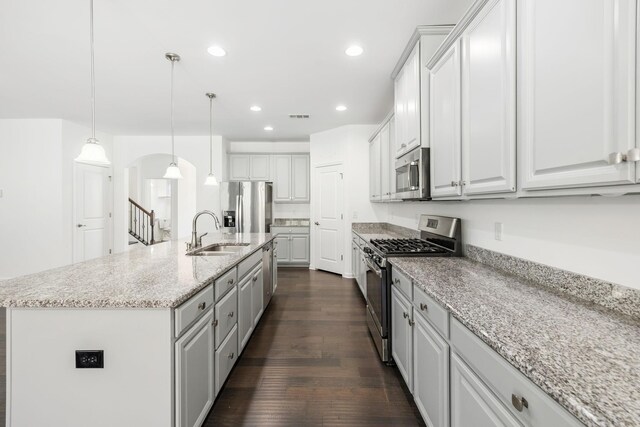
(238, 214)
(241, 222)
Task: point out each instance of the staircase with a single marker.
(141, 223)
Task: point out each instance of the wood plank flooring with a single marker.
(311, 362)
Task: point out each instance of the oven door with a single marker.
(376, 295)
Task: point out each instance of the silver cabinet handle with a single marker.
(405, 315)
(81, 225)
(411, 322)
(255, 278)
(230, 282)
(454, 183)
(316, 223)
(231, 355)
(230, 314)
(215, 322)
(202, 305)
(633, 155)
(519, 402)
(403, 145)
(396, 281)
(423, 306)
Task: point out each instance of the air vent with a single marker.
(298, 116)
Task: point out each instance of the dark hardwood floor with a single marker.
(311, 362)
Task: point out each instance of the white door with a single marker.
(194, 373)
(412, 96)
(444, 111)
(282, 178)
(260, 167)
(576, 91)
(92, 228)
(245, 312)
(430, 374)
(300, 178)
(472, 403)
(489, 100)
(329, 222)
(239, 167)
(401, 344)
(374, 169)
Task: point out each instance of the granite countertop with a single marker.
(291, 222)
(158, 276)
(373, 230)
(584, 356)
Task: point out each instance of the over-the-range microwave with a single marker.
(412, 175)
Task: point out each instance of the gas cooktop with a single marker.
(406, 247)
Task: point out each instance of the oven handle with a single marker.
(373, 267)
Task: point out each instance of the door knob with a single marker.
(316, 223)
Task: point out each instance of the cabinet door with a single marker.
(194, 373)
(412, 99)
(300, 178)
(299, 248)
(385, 159)
(444, 120)
(274, 269)
(257, 295)
(284, 248)
(489, 100)
(260, 167)
(576, 86)
(401, 339)
(239, 167)
(226, 357)
(354, 259)
(391, 165)
(430, 374)
(245, 312)
(472, 403)
(374, 169)
(399, 114)
(282, 178)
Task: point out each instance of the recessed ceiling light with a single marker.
(354, 50)
(255, 108)
(216, 51)
(268, 128)
(341, 108)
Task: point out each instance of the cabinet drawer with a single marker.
(192, 309)
(226, 315)
(225, 282)
(507, 382)
(226, 357)
(402, 282)
(249, 263)
(432, 311)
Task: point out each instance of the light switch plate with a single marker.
(498, 230)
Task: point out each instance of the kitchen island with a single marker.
(142, 338)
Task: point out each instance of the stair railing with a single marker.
(141, 223)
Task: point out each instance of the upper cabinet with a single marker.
(382, 162)
(281, 178)
(249, 167)
(576, 88)
(374, 169)
(300, 178)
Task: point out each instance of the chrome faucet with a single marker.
(196, 241)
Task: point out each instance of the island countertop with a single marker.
(582, 355)
(157, 276)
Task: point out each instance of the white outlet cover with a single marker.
(498, 230)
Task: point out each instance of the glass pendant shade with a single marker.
(211, 180)
(93, 153)
(173, 172)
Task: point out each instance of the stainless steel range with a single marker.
(439, 236)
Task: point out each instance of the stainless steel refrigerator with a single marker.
(247, 206)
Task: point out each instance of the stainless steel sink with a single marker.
(218, 249)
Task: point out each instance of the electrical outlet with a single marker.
(89, 359)
(498, 230)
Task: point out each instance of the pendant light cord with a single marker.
(173, 146)
(211, 136)
(93, 78)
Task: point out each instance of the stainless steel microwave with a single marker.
(412, 175)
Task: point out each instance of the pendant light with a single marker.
(211, 178)
(92, 152)
(173, 171)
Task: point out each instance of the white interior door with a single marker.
(91, 212)
(328, 221)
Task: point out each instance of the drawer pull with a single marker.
(405, 315)
(230, 314)
(519, 402)
(202, 305)
(396, 281)
(230, 281)
(231, 355)
(423, 306)
(215, 322)
(255, 278)
(411, 322)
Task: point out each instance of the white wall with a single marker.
(36, 179)
(348, 145)
(280, 210)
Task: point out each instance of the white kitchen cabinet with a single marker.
(292, 245)
(251, 167)
(225, 358)
(576, 88)
(260, 167)
(195, 373)
(385, 161)
(407, 104)
(430, 373)
(354, 260)
(444, 108)
(299, 248)
(488, 104)
(257, 294)
(245, 312)
(284, 249)
(375, 168)
(472, 403)
(300, 172)
(362, 270)
(402, 342)
(399, 113)
(282, 178)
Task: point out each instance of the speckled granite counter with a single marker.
(584, 356)
(290, 222)
(380, 230)
(159, 276)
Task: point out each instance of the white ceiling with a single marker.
(285, 55)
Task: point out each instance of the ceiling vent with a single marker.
(298, 116)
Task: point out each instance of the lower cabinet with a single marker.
(293, 245)
(225, 358)
(430, 373)
(257, 295)
(195, 373)
(245, 313)
(401, 337)
(472, 403)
